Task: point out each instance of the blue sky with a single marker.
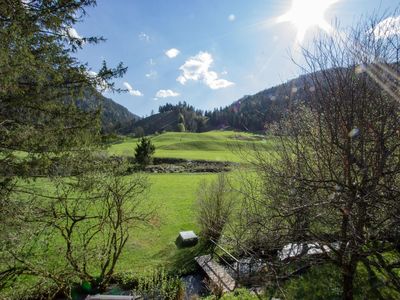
(219, 50)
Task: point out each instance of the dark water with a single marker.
(194, 286)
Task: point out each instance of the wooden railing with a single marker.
(236, 269)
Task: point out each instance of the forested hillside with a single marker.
(114, 116)
(255, 112)
(251, 113)
(180, 117)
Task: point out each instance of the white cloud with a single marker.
(144, 37)
(387, 27)
(72, 33)
(197, 68)
(181, 79)
(231, 17)
(219, 84)
(131, 90)
(166, 94)
(101, 85)
(171, 53)
(151, 75)
(92, 73)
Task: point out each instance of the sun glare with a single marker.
(305, 14)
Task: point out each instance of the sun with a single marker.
(305, 14)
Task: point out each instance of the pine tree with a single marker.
(144, 151)
(44, 131)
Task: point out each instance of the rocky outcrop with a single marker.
(172, 165)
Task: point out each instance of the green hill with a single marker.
(179, 117)
(212, 145)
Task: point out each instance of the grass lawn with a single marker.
(173, 196)
(213, 145)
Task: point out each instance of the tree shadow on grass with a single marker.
(182, 260)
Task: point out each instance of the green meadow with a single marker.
(172, 196)
(212, 145)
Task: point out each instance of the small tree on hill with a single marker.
(139, 131)
(144, 151)
(181, 127)
(181, 123)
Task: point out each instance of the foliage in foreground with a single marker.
(85, 218)
(331, 191)
(324, 282)
(238, 294)
(153, 283)
(74, 232)
(157, 284)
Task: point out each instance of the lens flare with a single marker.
(305, 14)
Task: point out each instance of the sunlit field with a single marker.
(213, 145)
(173, 197)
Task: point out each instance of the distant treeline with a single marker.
(251, 113)
(254, 113)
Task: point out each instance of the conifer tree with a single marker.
(50, 233)
(144, 151)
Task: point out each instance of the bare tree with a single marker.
(75, 232)
(215, 202)
(333, 183)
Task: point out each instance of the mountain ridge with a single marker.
(113, 115)
(248, 113)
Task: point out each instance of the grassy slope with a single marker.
(213, 145)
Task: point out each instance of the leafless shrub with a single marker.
(73, 232)
(215, 202)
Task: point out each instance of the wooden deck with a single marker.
(217, 274)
